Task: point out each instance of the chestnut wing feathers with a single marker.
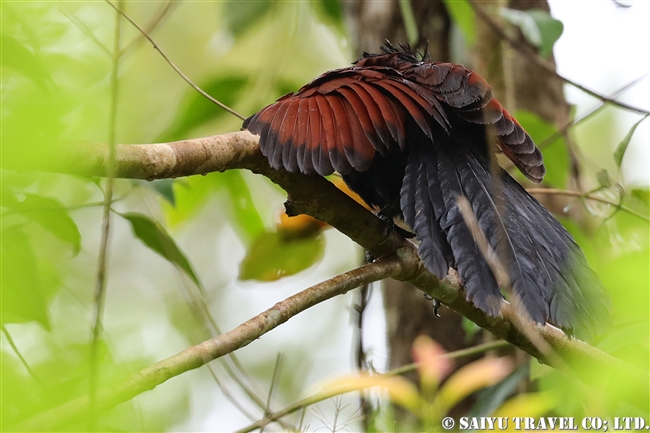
(352, 113)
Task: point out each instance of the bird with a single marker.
(412, 137)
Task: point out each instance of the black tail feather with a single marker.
(419, 210)
(547, 270)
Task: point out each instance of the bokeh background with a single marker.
(56, 65)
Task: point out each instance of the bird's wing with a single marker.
(469, 97)
(340, 119)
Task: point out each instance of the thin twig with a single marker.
(324, 395)
(102, 258)
(153, 24)
(595, 110)
(363, 295)
(86, 30)
(535, 58)
(589, 196)
(492, 259)
(178, 71)
(228, 394)
(274, 377)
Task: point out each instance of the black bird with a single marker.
(411, 136)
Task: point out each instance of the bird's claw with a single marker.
(436, 304)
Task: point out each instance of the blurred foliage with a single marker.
(539, 28)
(217, 228)
(464, 17)
(438, 391)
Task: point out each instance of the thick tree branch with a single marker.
(319, 198)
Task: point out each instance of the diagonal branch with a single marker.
(168, 60)
(196, 356)
(315, 196)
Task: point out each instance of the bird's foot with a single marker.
(436, 304)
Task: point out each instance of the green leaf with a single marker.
(241, 15)
(550, 30)
(556, 155)
(154, 236)
(51, 215)
(22, 293)
(245, 215)
(539, 28)
(199, 110)
(272, 256)
(463, 15)
(619, 153)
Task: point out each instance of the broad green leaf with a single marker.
(51, 215)
(199, 110)
(556, 155)
(154, 236)
(464, 17)
(241, 15)
(619, 153)
(526, 24)
(272, 256)
(538, 27)
(244, 212)
(23, 297)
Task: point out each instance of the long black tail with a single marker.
(547, 270)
